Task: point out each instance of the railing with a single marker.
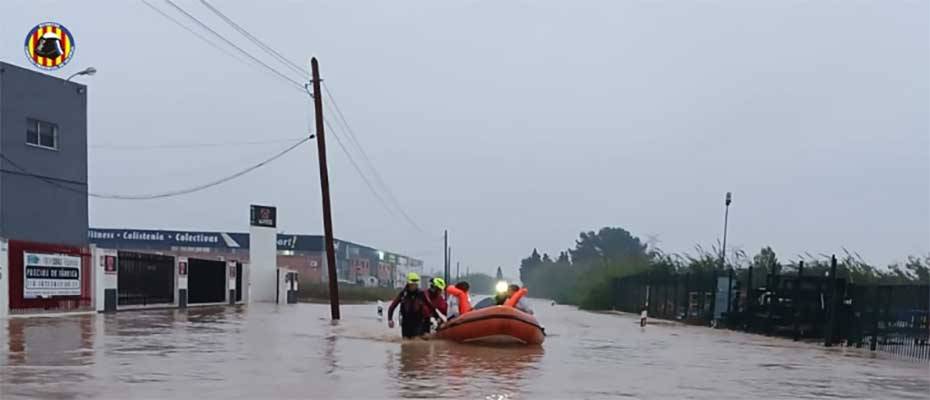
(888, 318)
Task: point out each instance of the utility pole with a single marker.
(324, 188)
(445, 250)
(457, 266)
(448, 271)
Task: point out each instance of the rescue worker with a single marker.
(436, 297)
(521, 304)
(415, 308)
(435, 294)
(459, 302)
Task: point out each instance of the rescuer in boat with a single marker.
(435, 294)
(415, 308)
(459, 302)
(521, 303)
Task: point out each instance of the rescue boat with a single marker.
(494, 325)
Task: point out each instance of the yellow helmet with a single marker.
(413, 277)
(439, 283)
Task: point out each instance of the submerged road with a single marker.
(264, 351)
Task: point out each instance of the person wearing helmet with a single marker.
(435, 293)
(415, 308)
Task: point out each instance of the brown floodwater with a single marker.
(265, 351)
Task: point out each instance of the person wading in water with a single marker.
(415, 308)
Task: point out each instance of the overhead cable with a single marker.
(352, 138)
(282, 76)
(272, 52)
(151, 196)
(192, 145)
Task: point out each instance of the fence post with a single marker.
(831, 316)
(687, 296)
(873, 342)
(773, 283)
(730, 293)
(713, 297)
(796, 302)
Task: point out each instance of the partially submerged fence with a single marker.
(887, 318)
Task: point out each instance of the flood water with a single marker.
(268, 351)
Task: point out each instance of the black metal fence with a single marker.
(887, 318)
(145, 279)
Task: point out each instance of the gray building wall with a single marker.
(48, 202)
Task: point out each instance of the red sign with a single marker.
(109, 264)
(182, 268)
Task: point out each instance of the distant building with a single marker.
(355, 263)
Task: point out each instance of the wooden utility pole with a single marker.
(445, 251)
(457, 266)
(324, 188)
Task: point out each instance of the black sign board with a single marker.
(263, 216)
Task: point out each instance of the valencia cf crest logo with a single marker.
(49, 45)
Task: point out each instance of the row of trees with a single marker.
(582, 275)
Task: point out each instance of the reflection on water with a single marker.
(268, 351)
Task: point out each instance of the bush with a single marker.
(347, 293)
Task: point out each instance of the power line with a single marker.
(293, 66)
(192, 145)
(352, 138)
(244, 52)
(357, 169)
(341, 117)
(193, 32)
(152, 196)
(274, 53)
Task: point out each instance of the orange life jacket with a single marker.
(464, 305)
(515, 298)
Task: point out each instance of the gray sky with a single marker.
(517, 124)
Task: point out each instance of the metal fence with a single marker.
(887, 318)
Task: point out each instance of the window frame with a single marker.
(37, 125)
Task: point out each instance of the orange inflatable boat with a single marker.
(493, 325)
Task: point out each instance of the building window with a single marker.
(42, 134)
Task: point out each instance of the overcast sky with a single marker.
(518, 124)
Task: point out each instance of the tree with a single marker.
(527, 265)
(919, 269)
(606, 246)
(563, 258)
(765, 260)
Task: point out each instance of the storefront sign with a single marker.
(109, 264)
(48, 275)
(263, 216)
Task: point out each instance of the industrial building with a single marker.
(146, 275)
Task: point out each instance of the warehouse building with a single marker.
(147, 264)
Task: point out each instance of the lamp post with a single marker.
(723, 253)
(89, 71)
(726, 217)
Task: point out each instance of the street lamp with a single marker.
(726, 217)
(89, 71)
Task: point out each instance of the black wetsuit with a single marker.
(415, 309)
